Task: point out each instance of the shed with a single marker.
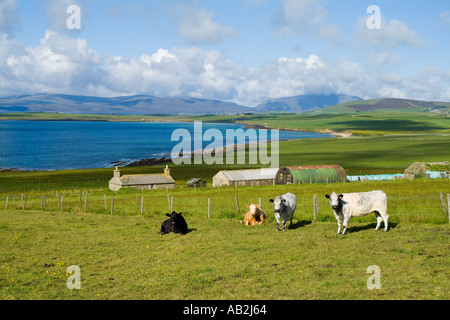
(253, 177)
(418, 169)
(142, 181)
(376, 177)
(311, 174)
(196, 182)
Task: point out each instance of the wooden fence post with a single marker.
(142, 206)
(209, 207)
(171, 204)
(237, 204)
(85, 202)
(7, 198)
(112, 205)
(42, 202)
(104, 199)
(62, 203)
(24, 201)
(443, 203)
(168, 202)
(316, 207)
(448, 206)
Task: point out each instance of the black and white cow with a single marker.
(284, 207)
(176, 223)
(360, 204)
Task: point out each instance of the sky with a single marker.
(244, 51)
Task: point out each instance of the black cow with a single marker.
(176, 223)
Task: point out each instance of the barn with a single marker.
(419, 169)
(310, 174)
(253, 177)
(142, 181)
(196, 183)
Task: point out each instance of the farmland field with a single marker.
(121, 255)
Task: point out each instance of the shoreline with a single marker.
(153, 161)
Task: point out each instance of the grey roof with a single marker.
(255, 174)
(146, 179)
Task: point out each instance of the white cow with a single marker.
(284, 207)
(360, 204)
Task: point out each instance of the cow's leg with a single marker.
(277, 217)
(379, 219)
(339, 226)
(385, 218)
(284, 222)
(346, 218)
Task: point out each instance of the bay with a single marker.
(58, 145)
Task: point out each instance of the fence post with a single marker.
(104, 198)
(85, 202)
(62, 203)
(448, 206)
(171, 204)
(168, 202)
(209, 207)
(316, 207)
(443, 203)
(42, 202)
(237, 204)
(142, 206)
(112, 205)
(7, 198)
(24, 201)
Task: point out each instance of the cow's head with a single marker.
(252, 208)
(334, 200)
(174, 216)
(278, 204)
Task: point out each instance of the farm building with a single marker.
(311, 174)
(418, 169)
(196, 182)
(376, 177)
(142, 181)
(254, 177)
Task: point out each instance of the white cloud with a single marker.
(63, 64)
(56, 12)
(305, 17)
(393, 33)
(8, 16)
(197, 26)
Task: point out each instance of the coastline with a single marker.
(166, 158)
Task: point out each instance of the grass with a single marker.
(122, 256)
(125, 258)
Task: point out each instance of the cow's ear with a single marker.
(327, 196)
(271, 200)
(258, 206)
(283, 201)
(180, 213)
(341, 196)
(168, 214)
(247, 206)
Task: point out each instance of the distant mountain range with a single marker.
(144, 104)
(304, 103)
(138, 104)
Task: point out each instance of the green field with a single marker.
(122, 256)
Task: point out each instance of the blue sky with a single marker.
(244, 51)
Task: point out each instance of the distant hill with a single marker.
(391, 104)
(137, 104)
(304, 103)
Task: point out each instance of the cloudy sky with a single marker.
(245, 51)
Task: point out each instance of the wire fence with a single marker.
(216, 204)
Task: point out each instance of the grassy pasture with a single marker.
(122, 256)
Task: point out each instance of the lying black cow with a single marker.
(176, 223)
